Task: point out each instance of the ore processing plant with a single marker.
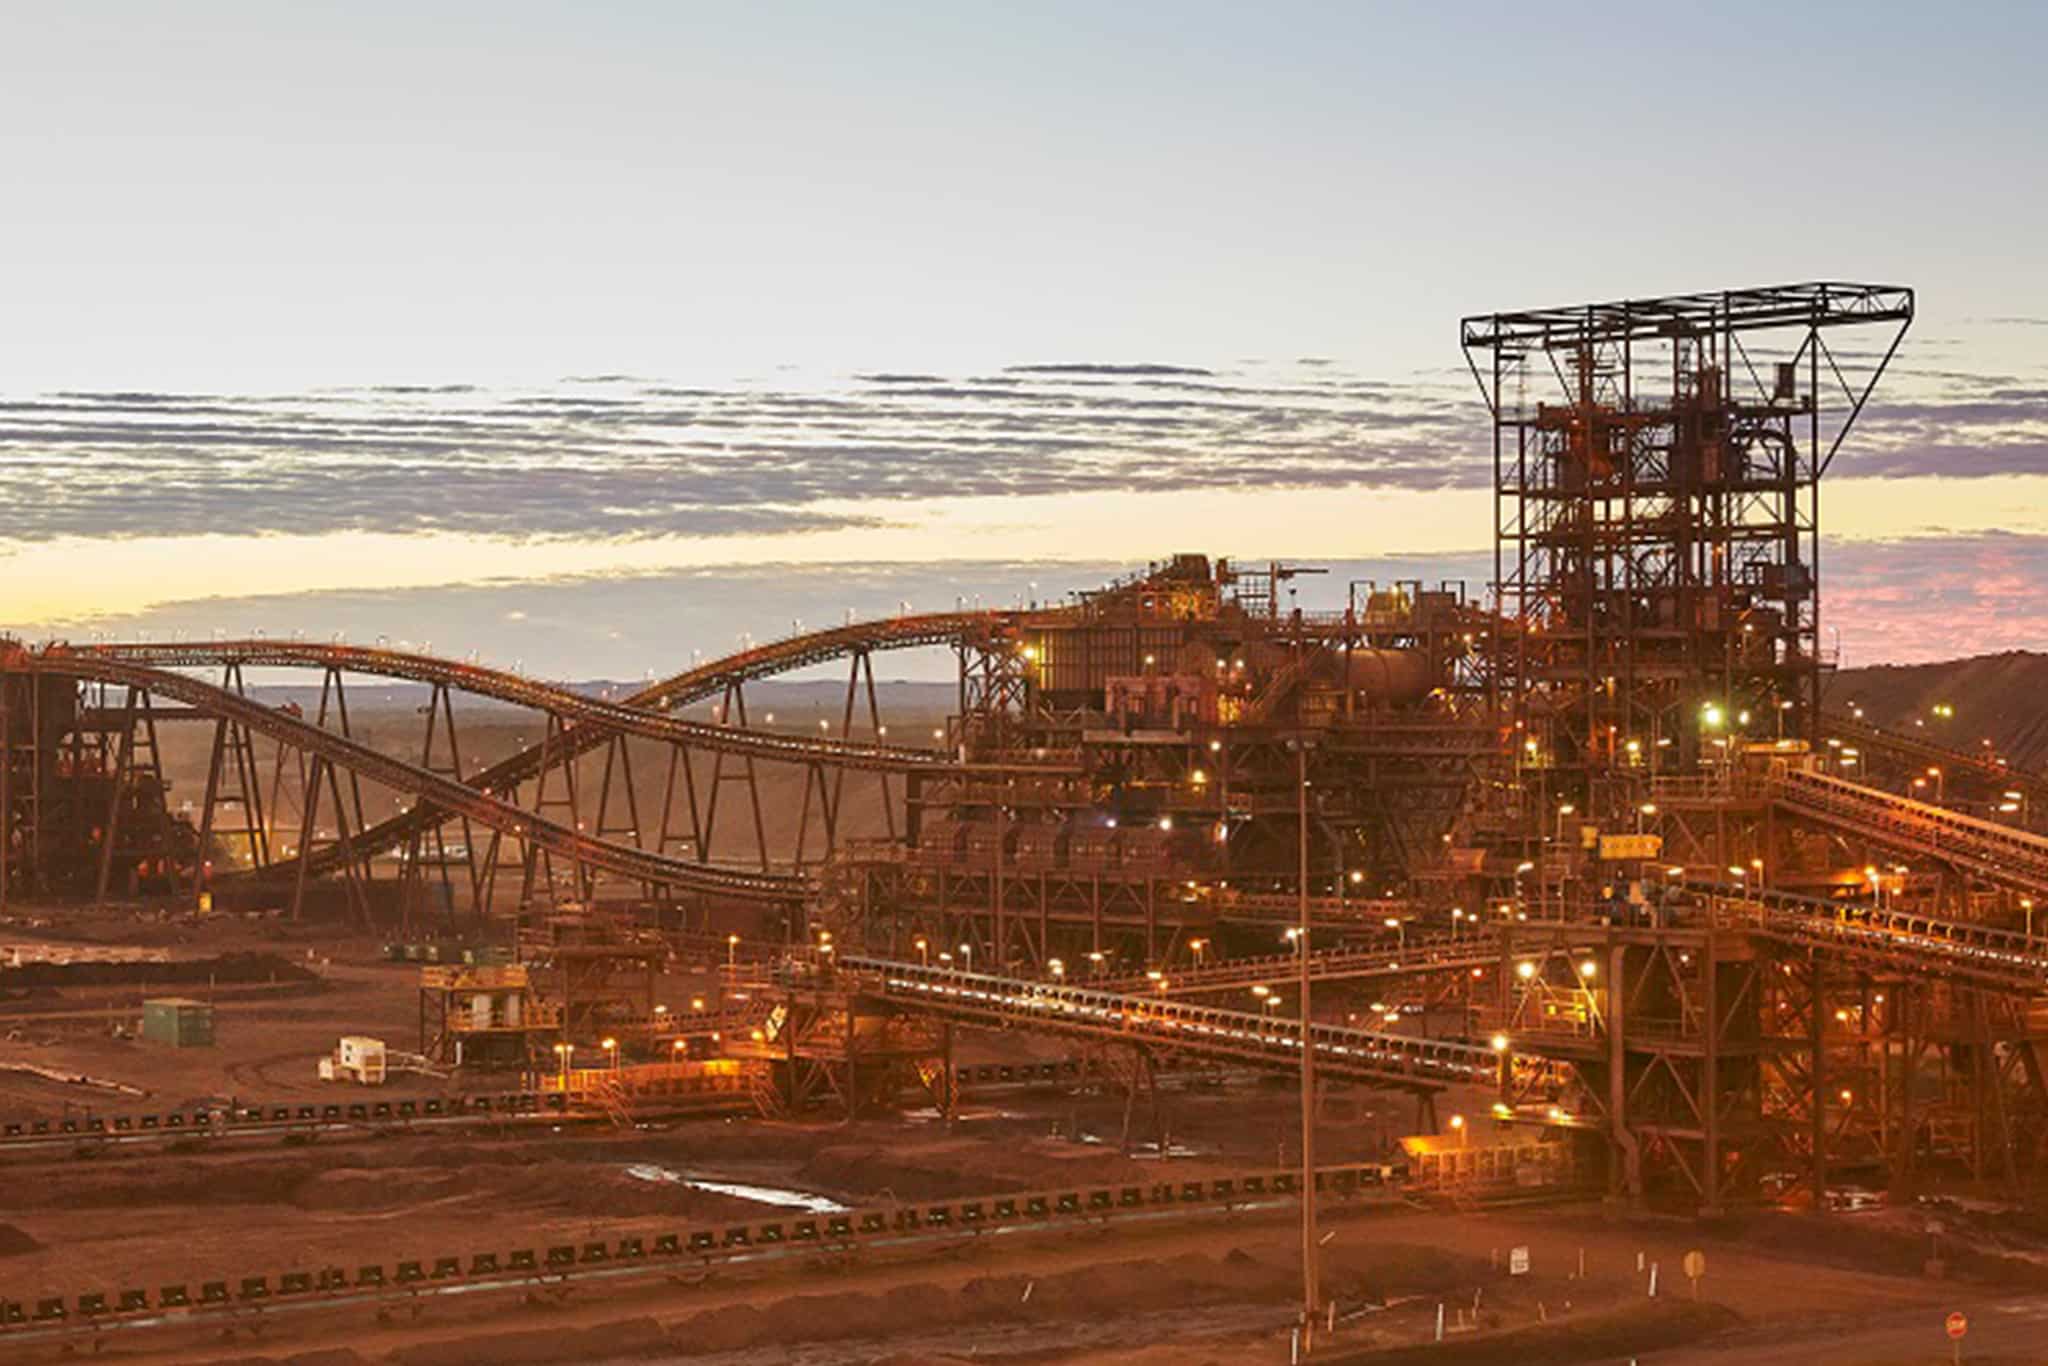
(1687, 917)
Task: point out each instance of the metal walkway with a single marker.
(1387, 1060)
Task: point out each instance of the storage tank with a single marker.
(1391, 676)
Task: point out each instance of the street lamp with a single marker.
(1399, 927)
(1309, 1290)
(1057, 967)
(967, 957)
(565, 1051)
(732, 949)
(924, 950)
(1458, 1127)
(611, 1046)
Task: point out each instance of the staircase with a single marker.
(608, 1095)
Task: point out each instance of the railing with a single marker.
(521, 691)
(1285, 908)
(1390, 1060)
(1993, 851)
(1923, 750)
(452, 798)
(1418, 953)
(1903, 938)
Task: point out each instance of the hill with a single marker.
(2003, 697)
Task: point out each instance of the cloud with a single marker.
(642, 458)
(1937, 597)
(1084, 368)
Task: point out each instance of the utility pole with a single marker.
(1308, 1066)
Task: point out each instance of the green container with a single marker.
(178, 1021)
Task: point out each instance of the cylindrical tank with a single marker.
(1391, 676)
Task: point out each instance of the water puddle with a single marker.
(778, 1196)
(1144, 1151)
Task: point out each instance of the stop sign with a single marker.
(1957, 1325)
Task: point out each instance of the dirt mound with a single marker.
(13, 1242)
(1993, 695)
(238, 968)
(359, 1190)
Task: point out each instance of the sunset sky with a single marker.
(591, 337)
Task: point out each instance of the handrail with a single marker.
(504, 686)
(1873, 736)
(694, 685)
(2016, 858)
(1392, 1060)
(1906, 938)
(455, 798)
(1435, 952)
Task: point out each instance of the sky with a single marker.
(596, 337)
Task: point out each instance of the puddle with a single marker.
(931, 1115)
(1144, 1151)
(778, 1196)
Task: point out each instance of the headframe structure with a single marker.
(1657, 467)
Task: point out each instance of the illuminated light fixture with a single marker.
(1525, 969)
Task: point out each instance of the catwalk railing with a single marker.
(452, 798)
(1412, 954)
(500, 685)
(697, 684)
(1387, 1060)
(1924, 751)
(1904, 940)
(1997, 853)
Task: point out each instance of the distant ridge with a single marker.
(2002, 697)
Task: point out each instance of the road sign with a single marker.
(1957, 1326)
(1695, 1263)
(1518, 1261)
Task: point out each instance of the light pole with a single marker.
(732, 949)
(967, 958)
(565, 1051)
(2027, 905)
(1399, 927)
(1309, 1295)
(924, 951)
